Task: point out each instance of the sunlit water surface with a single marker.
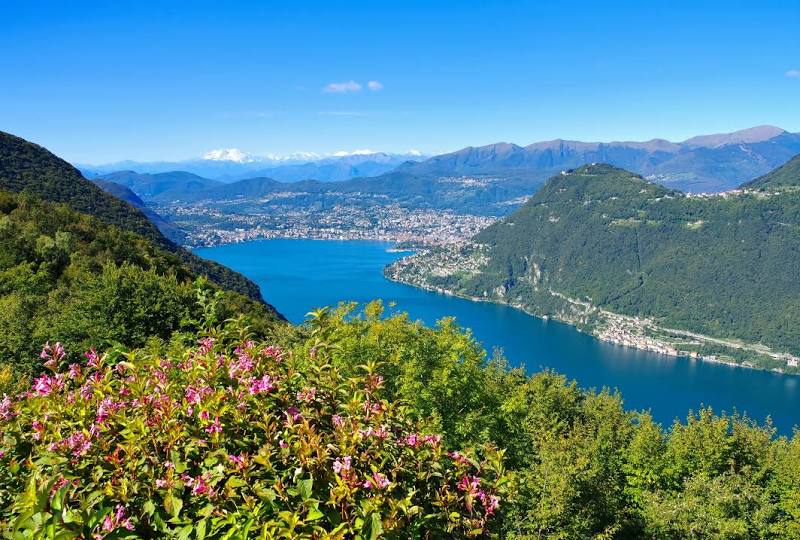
(298, 275)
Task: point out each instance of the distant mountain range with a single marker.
(491, 179)
(704, 163)
(229, 165)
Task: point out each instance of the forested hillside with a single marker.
(600, 238)
(26, 167)
(68, 277)
(786, 176)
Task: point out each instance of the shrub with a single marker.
(230, 438)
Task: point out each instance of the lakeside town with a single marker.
(210, 225)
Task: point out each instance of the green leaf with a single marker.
(376, 527)
(305, 487)
(185, 532)
(235, 482)
(200, 530)
(173, 505)
(314, 514)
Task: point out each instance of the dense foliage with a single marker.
(26, 167)
(231, 439)
(581, 465)
(67, 277)
(213, 439)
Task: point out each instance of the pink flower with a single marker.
(371, 407)
(470, 485)
(38, 429)
(164, 483)
(283, 444)
(379, 433)
(374, 382)
(273, 351)
(458, 458)
(240, 460)
(376, 481)
(306, 394)
(86, 391)
(195, 395)
(92, 358)
(74, 371)
(199, 485)
(204, 415)
(292, 415)
(106, 408)
(52, 355)
(206, 344)
(490, 502)
(46, 384)
(6, 408)
(262, 385)
(412, 439)
(159, 376)
(338, 421)
(342, 465)
(117, 520)
(242, 366)
(432, 440)
(78, 444)
(214, 427)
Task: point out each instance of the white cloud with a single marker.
(375, 85)
(342, 87)
(228, 154)
(793, 73)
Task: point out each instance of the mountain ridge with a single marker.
(702, 163)
(326, 168)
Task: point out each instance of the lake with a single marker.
(298, 275)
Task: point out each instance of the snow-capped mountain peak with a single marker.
(228, 154)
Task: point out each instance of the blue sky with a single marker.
(105, 81)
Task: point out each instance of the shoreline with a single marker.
(687, 355)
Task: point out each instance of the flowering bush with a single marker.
(232, 439)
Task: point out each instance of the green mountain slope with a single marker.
(66, 276)
(27, 167)
(167, 228)
(600, 247)
(787, 175)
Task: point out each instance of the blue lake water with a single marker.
(298, 275)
